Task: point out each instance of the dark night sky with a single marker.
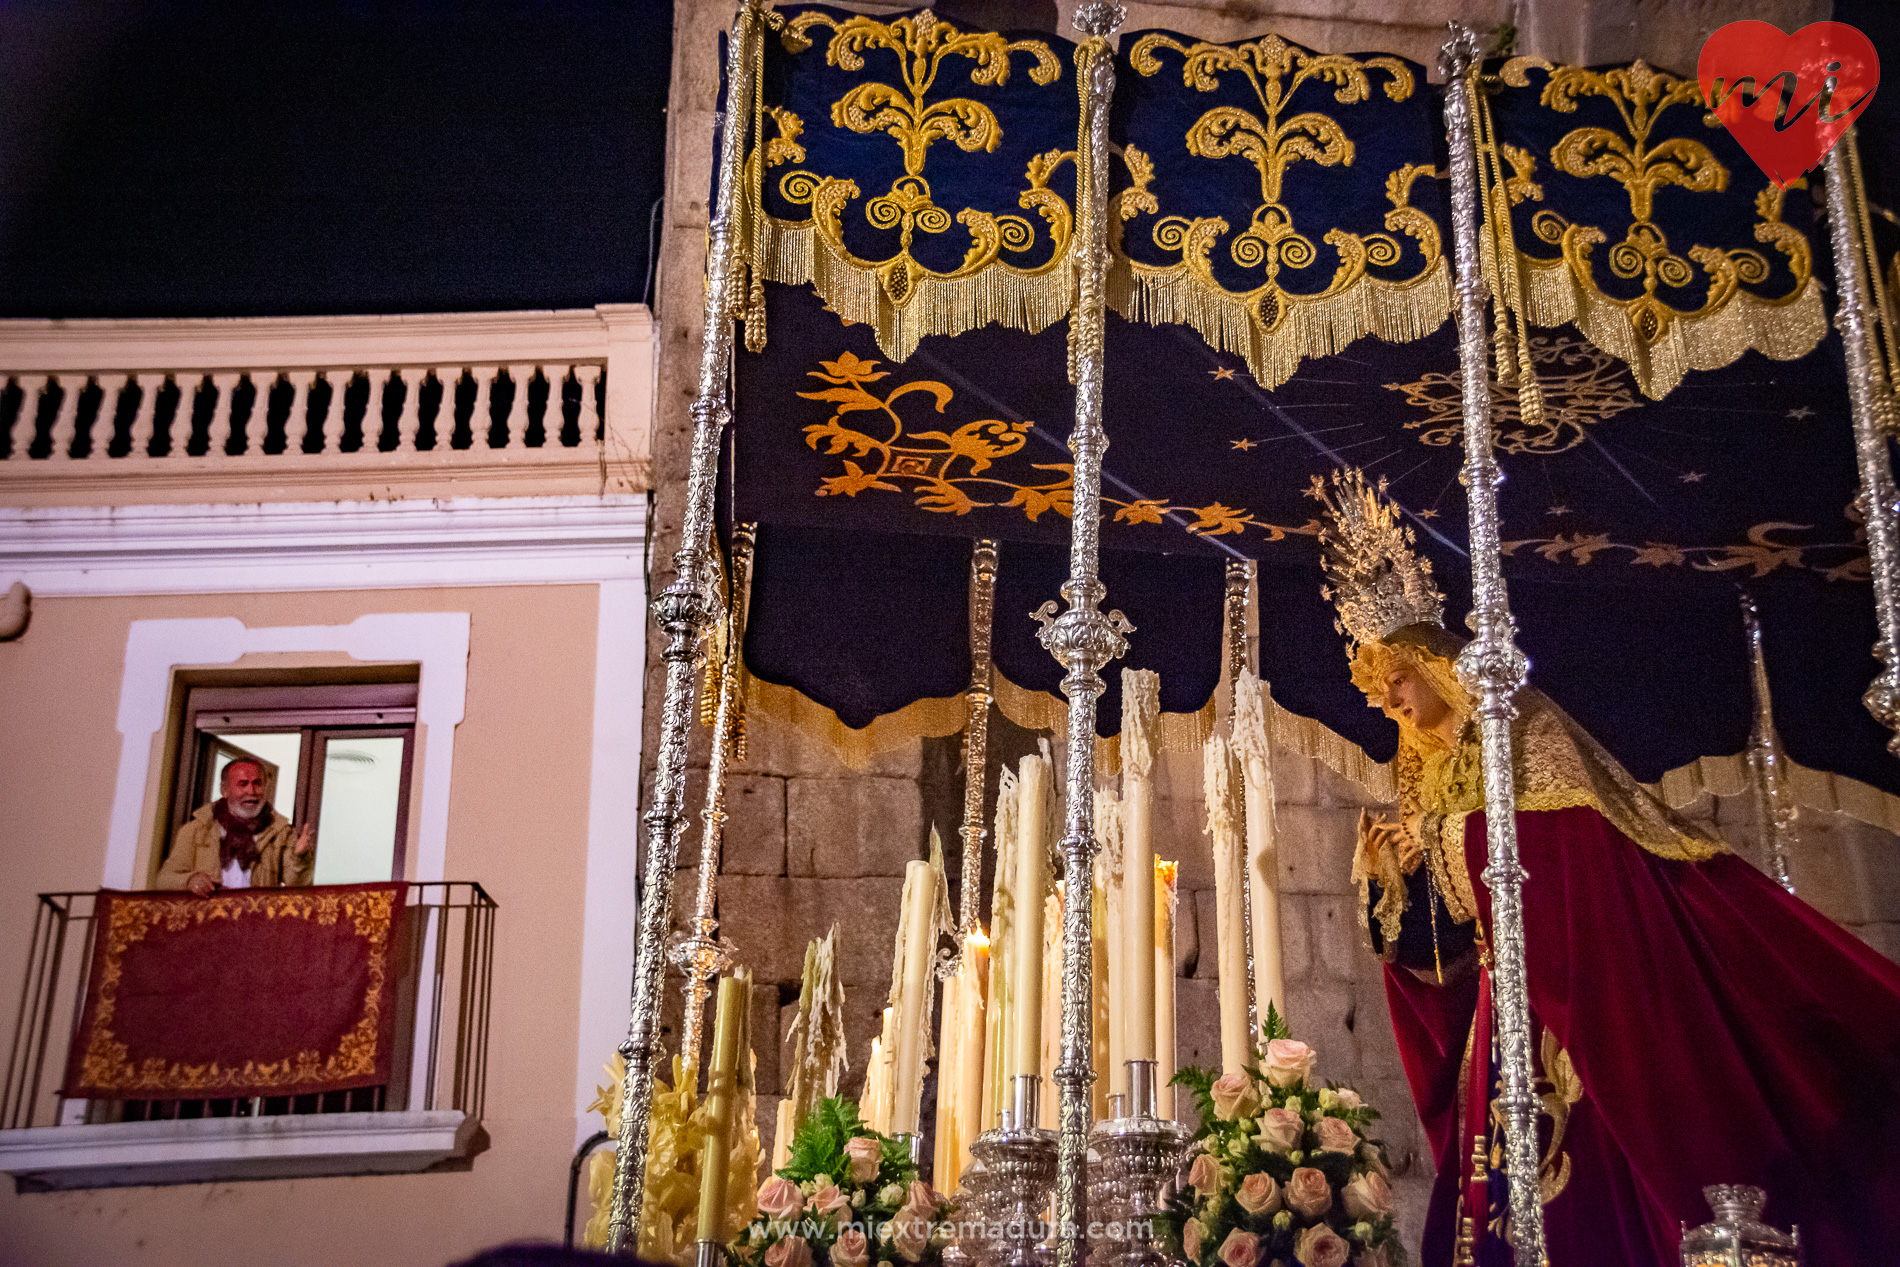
(247, 159)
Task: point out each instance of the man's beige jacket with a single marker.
(195, 848)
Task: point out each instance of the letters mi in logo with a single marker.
(1788, 98)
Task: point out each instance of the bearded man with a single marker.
(238, 841)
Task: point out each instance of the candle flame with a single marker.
(978, 938)
(1166, 870)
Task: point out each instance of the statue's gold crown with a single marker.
(1374, 577)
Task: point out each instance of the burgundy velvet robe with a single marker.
(1724, 1032)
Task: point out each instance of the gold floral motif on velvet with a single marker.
(1661, 332)
(1582, 386)
(1271, 325)
(900, 297)
(952, 472)
(1762, 554)
(107, 1062)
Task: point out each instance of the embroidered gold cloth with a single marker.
(252, 993)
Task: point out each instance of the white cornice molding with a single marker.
(68, 551)
(239, 343)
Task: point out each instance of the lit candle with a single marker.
(1218, 786)
(1263, 850)
(715, 1155)
(918, 935)
(1141, 705)
(1165, 879)
(974, 979)
(1032, 863)
(949, 1051)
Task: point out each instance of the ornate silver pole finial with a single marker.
(976, 746)
(1877, 496)
(1083, 639)
(1774, 803)
(699, 952)
(1491, 666)
(683, 609)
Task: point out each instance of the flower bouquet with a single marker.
(846, 1197)
(1283, 1172)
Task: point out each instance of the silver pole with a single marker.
(1082, 638)
(1870, 442)
(976, 746)
(683, 609)
(1774, 805)
(701, 953)
(1491, 666)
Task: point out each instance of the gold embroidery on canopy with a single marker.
(952, 472)
(1582, 385)
(1272, 327)
(900, 297)
(1658, 340)
(1762, 553)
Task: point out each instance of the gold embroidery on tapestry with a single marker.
(1581, 386)
(1270, 325)
(107, 1062)
(900, 297)
(951, 472)
(1660, 340)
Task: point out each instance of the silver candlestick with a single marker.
(1009, 1207)
(1138, 1156)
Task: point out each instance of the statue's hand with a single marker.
(1378, 835)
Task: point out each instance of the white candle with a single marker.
(1218, 787)
(1000, 999)
(1165, 873)
(972, 983)
(782, 1134)
(949, 1051)
(918, 934)
(1032, 865)
(1051, 1003)
(1098, 980)
(1263, 850)
(1108, 838)
(1141, 705)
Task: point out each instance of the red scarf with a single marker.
(240, 835)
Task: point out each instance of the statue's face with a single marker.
(1411, 698)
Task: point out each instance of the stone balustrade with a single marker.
(271, 408)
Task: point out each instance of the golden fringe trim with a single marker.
(1396, 312)
(941, 716)
(1309, 738)
(1783, 330)
(1812, 789)
(793, 254)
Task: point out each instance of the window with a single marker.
(337, 757)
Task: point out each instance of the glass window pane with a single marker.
(280, 750)
(356, 827)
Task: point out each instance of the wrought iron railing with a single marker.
(442, 1005)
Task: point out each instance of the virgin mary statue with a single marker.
(1692, 1023)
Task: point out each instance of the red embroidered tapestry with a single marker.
(268, 992)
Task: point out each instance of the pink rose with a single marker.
(1320, 1246)
(851, 1249)
(866, 1156)
(1234, 1096)
(1369, 1153)
(924, 1197)
(1240, 1249)
(1287, 1062)
(790, 1252)
(1349, 1099)
(1367, 1196)
(780, 1199)
(910, 1232)
(1204, 1174)
(1258, 1194)
(1335, 1136)
(1191, 1241)
(831, 1199)
(1308, 1193)
(1280, 1130)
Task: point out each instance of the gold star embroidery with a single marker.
(1691, 477)
(1222, 374)
(1244, 444)
(1428, 514)
(1558, 510)
(1801, 413)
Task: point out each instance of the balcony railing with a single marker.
(429, 1110)
(241, 401)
